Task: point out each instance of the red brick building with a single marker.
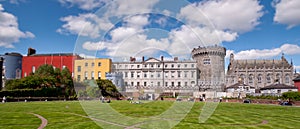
(32, 61)
(297, 82)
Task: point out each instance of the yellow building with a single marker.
(91, 69)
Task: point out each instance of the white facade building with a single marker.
(153, 74)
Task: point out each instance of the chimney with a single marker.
(175, 58)
(31, 51)
(162, 58)
(143, 58)
(132, 59)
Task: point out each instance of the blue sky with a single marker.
(119, 29)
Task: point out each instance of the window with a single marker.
(126, 83)
(172, 74)
(158, 66)
(251, 79)
(179, 84)
(138, 74)
(99, 64)
(287, 79)
(93, 64)
(206, 61)
(166, 66)
(158, 83)
(93, 75)
(132, 66)
(178, 73)
(132, 74)
(158, 74)
(178, 65)
(145, 66)
(86, 64)
(185, 65)
(138, 66)
(193, 65)
(33, 69)
(166, 74)
(85, 75)
(126, 74)
(172, 65)
(192, 74)
(138, 83)
(268, 78)
(185, 83)
(132, 83)
(185, 73)
(259, 78)
(152, 74)
(18, 74)
(99, 75)
(278, 78)
(25, 74)
(172, 83)
(145, 74)
(145, 83)
(78, 78)
(166, 84)
(152, 65)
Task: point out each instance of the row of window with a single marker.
(158, 84)
(86, 64)
(153, 66)
(260, 79)
(167, 74)
(86, 75)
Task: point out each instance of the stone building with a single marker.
(211, 66)
(154, 74)
(259, 73)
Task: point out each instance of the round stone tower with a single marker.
(211, 66)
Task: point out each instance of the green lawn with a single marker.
(157, 114)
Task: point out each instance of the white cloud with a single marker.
(287, 12)
(235, 15)
(9, 30)
(131, 7)
(289, 49)
(84, 24)
(84, 4)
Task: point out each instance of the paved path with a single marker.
(44, 121)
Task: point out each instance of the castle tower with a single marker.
(211, 66)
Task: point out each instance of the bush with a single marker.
(291, 95)
(44, 92)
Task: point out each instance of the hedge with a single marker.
(44, 92)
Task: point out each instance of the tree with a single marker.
(107, 88)
(291, 95)
(67, 81)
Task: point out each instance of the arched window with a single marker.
(250, 79)
(278, 78)
(242, 78)
(268, 78)
(287, 79)
(259, 78)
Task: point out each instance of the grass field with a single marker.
(157, 114)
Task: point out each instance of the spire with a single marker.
(292, 62)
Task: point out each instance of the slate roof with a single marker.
(278, 86)
(236, 85)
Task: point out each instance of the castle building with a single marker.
(259, 73)
(211, 66)
(154, 73)
(91, 69)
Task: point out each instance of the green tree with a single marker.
(67, 82)
(93, 92)
(291, 95)
(107, 88)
